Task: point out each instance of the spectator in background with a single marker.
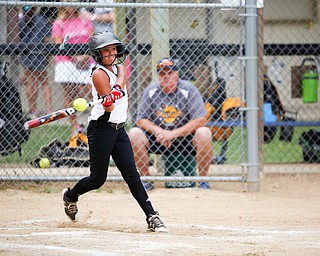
(35, 29)
(50, 12)
(171, 118)
(73, 72)
(102, 18)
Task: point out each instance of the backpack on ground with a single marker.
(310, 144)
(73, 153)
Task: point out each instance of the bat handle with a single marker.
(94, 102)
(26, 126)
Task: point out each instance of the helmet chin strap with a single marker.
(115, 58)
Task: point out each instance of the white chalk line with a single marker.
(60, 249)
(134, 246)
(125, 248)
(272, 231)
(263, 234)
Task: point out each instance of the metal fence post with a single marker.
(251, 50)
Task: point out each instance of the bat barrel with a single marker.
(49, 118)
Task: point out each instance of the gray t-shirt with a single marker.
(174, 110)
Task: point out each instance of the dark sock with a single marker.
(140, 194)
(71, 196)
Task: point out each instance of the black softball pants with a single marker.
(103, 142)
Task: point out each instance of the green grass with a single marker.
(39, 137)
(285, 152)
(274, 152)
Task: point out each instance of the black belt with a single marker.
(116, 126)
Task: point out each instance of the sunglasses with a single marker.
(166, 63)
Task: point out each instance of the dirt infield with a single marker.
(283, 219)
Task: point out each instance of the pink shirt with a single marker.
(78, 29)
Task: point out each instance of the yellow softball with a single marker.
(80, 104)
(44, 163)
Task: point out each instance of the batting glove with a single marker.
(116, 92)
(107, 101)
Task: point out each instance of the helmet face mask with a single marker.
(103, 39)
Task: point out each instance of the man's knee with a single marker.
(138, 137)
(203, 134)
(135, 133)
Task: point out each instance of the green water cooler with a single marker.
(179, 165)
(310, 87)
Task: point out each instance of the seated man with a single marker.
(171, 118)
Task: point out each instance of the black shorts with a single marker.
(181, 145)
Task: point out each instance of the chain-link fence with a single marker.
(206, 38)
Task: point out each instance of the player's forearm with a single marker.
(121, 79)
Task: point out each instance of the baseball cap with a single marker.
(167, 63)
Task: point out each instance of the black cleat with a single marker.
(155, 224)
(70, 208)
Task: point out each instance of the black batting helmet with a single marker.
(103, 39)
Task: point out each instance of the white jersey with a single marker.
(120, 112)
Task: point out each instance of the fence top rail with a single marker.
(115, 5)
